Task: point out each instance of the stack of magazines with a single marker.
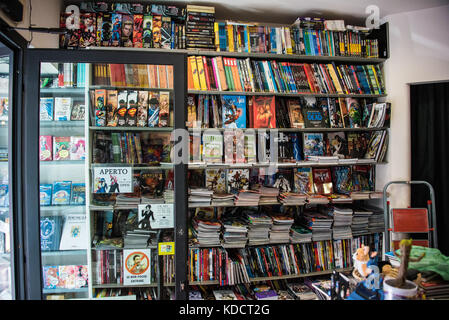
(207, 232)
(223, 199)
(124, 200)
(137, 238)
(235, 228)
(247, 198)
(300, 234)
(317, 199)
(292, 199)
(268, 195)
(200, 197)
(376, 221)
(323, 159)
(258, 228)
(322, 288)
(151, 200)
(341, 228)
(360, 195)
(360, 221)
(301, 292)
(320, 224)
(280, 230)
(169, 195)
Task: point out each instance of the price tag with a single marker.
(166, 248)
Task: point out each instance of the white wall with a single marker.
(419, 52)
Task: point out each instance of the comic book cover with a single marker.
(78, 111)
(153, 109)
(106, 30)
(233, 111)
(45, 148)
(342, 179)
(142, 108)
(99, 26)
(74, 233)
(50, 232)
(61, 192)
(69, 22)
(166, 32)
(131, 112)
(88, 26)
(112, 180)
(46, 109)
(61, 148)
(50, 277)
(78, 196)
(344, 112)
(157, 26)
(313, 117)
(338, 144)
(250, 147)
(112, 108)
(322, 180)
(362, 178)
(45, 193)
(81, 276)
(335, 119)
(354, 113)
(67, 277)
(213, 147)
(228, 139)
(238, 179)
(164, 109)
(147, 38)
(77, 148)
(323, 104)
(216, 180)
(303, 181)
(374, 144)
(100, 108)
(126, 37)
(122, 97)
(191, 112)
(366, 114)
(264, 112)
(138, 31)
(62, 108)
(116, 31)
(152, 183)
(295, 114)
(239, 143)
(313, 144)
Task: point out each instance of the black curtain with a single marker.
(429, 105)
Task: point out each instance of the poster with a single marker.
(159, 216)
(137, 266)
(113, 180)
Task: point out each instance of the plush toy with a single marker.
(363, 260)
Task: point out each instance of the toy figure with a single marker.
(362, 261)
(405, 246)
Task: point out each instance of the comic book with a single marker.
(354, 113)
(147, 38)
(61, 148)
(61, 193)
(342, 179)
(78, 111)
(250, 150)
(78, 196)
(212, 147)
(233, 111)
(46, 109)
(164, 109)
(166, 32)
(335, 119)
(323, 104)
(45, 193)
(295, 114)
(88, 32)
(138, 31)
(62, 108)
(50, 277)
(100, 108)
(122, 108)
(157, 26)
(303, 181)
(116, 30)
(142, 108)
(45, 148)
(152, 183)
(126, 37)
(313, 144)
(362, 178)
(191, 112)
(322, 180)
(77, 148)
(264, 112)
(50, 232)
(338, 144)
(106, 30)
(228, 137)
(112, 108)
(216, 180)
(131, 111)
(238, 179)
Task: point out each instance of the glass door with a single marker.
(62, 158)
(5, 212)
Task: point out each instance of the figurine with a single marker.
(363, 260)
(405, 246)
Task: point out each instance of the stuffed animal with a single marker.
(363, 259)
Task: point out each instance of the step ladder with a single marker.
(411, 220)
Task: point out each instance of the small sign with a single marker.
(137, 266)
(159, 216)
(166, 248)
(113, 180)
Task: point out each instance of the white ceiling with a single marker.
(286, 11)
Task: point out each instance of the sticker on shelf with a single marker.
(137, 266)
(166, 248)
(113, 180)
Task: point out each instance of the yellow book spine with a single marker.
(334, 78)
(196, 79)
(201, 75)
(230, 32)
(217, 37)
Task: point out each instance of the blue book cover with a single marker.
(342, 179)
(273, 40)
(50, 275)
(78, 196)
(313, 144)
(4, 195)
(107, 223)
(233, 111)
(50, 230)
(297, 152)
(46, 109)
(222, 36)
(45, 193)
(61, 192)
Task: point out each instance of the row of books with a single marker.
(159, 26)
(226, 111)
(130, 108)
(345, 180)
(200, 27)
(68, 233)
(61, 109)
(65, 277)
(126, 293)
(250, 75)
(230, 266)
(126, 147)
(133, 75)
(61, 148)
(248, 147)
(304, 37)
(70, 75)
(62, 193)
(108, 267)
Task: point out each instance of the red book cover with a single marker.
(138, 31)
(206, 72)
(263, 112)
(322, 180)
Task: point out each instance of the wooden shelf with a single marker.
(292, 95)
